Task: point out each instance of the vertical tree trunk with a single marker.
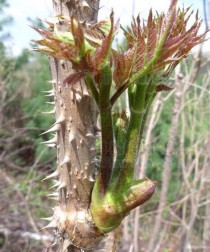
(75, 128)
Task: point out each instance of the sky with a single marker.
(20, 10)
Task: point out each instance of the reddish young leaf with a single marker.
(73, 78)
(102, 52)
(171, 30)
(151, 35)
(78, 34)
(123, 63)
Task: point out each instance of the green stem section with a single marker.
(109, 211)
(150, 96)
(107, 152)
(148, 106)
(112, 199)
(126, 166)
(114, 196)
(117, 94)
(92, 88)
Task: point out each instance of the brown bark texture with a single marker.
(75, 129)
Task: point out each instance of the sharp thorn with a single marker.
(55, 185)
(53, 103)
(65, 160)
(62, 185)
(89, 134)
(52, 224)
(51, 81)
(84, 4)
(53, 175)
(49, 95)
(91, 179)
(78, 97)
(48, 218)
(56, 127)
(51, 141)
(51, 145)
(60, 119)
(50, 112)
(55, 194)
(49, 91)
(72, 137)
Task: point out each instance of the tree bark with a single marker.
(75, 129)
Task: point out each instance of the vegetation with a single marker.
(24, 161)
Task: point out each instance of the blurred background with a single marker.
(176, 149)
